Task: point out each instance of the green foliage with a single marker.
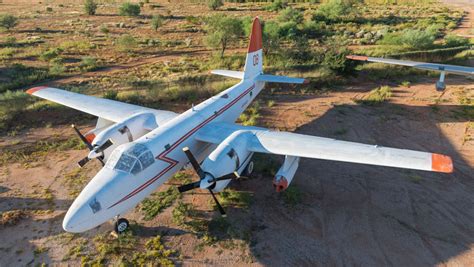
(8, 21)
(18, 75)
(377, 96)
(214, 4)
(290, 14)
(90, 7)
(292, 196)
(126, 43)
(180, 212)
(251, 115)
(104, 29)
(159, 201)
(452, 40)
(57, 68)
(277, 5)
(51, 54)
(112, 95)
(156, 22)
(333, 10)
(129, 9)
(410, 38)
(221, 30)
(335, 57)
(88, 64)
(271, 36)
(233, 198)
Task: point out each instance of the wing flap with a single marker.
(104, 108)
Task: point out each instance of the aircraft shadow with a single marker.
(353, 214)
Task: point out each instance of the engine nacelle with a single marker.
(126, 131)
(286, 173)
(228, 157)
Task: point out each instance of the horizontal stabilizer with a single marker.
(229, 73)
(279, 79)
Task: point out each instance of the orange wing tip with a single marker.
(306, 81)
(255, 36)
(441, 163)
(35, 89)
(354, 57)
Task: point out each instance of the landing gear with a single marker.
(249, 169)
(121, 225)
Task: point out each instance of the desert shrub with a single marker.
(277, 5)
(104, 29)
(291, 15)
(51, 54)
(156, 22)
(129, 9)
(333, 10)
(335, 58)
(410, 38)
(7, 52)
(8, 21)
(126, 42)
(215, 4)
(112, 95)
(452, 40)
(88, 64)
(56, 68)
(18, 75)
(377, 96)
(90, 7)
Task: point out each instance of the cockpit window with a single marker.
(132, 159)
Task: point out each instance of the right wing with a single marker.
(110, 110)
(461, 70)
(299, 145)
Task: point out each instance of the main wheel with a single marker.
(121, 225)
(249, 169)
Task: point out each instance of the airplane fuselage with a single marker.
(113, 192)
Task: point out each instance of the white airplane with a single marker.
(142, 148)
(443, 68)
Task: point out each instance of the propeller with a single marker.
(207, 180)
(95, 151)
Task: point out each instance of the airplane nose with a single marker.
(76, 219)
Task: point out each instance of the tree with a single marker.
(271, 36)
(290, 14)
(222, 30)
(8, 21)
(156, 22)
(214, 4)
(129, 9)
(90, 6)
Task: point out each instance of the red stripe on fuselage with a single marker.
(174, 162)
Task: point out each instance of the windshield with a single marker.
(132, 159)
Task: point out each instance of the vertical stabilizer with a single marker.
(253, 62)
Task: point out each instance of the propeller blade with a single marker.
(189, 186)
(82, 137)
(193, 161)
(83, 162)
(105, 145)
(221, 209)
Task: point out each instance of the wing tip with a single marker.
(35, 89)
(441, 163)
(355, 57)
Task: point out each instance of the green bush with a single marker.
(156, 22)
(277, 5)
(88, 64)
(8, 21)
(51, 54)
(129, 9)
(420, 39)
(126, 43)
(56, 68)
(377, 96)
(215, 4)
(455, 41)
(222, 30)
(291, 15)
(333, 10)
(90, 7)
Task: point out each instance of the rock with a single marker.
(360, 34)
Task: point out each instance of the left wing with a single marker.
(461, 70)
(111, 110)
(292, 144)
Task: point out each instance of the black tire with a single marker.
(121, 225)
(249, 169)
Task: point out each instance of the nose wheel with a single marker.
(249, 169)
(121, 225)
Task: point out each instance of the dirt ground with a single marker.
(349, 215)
